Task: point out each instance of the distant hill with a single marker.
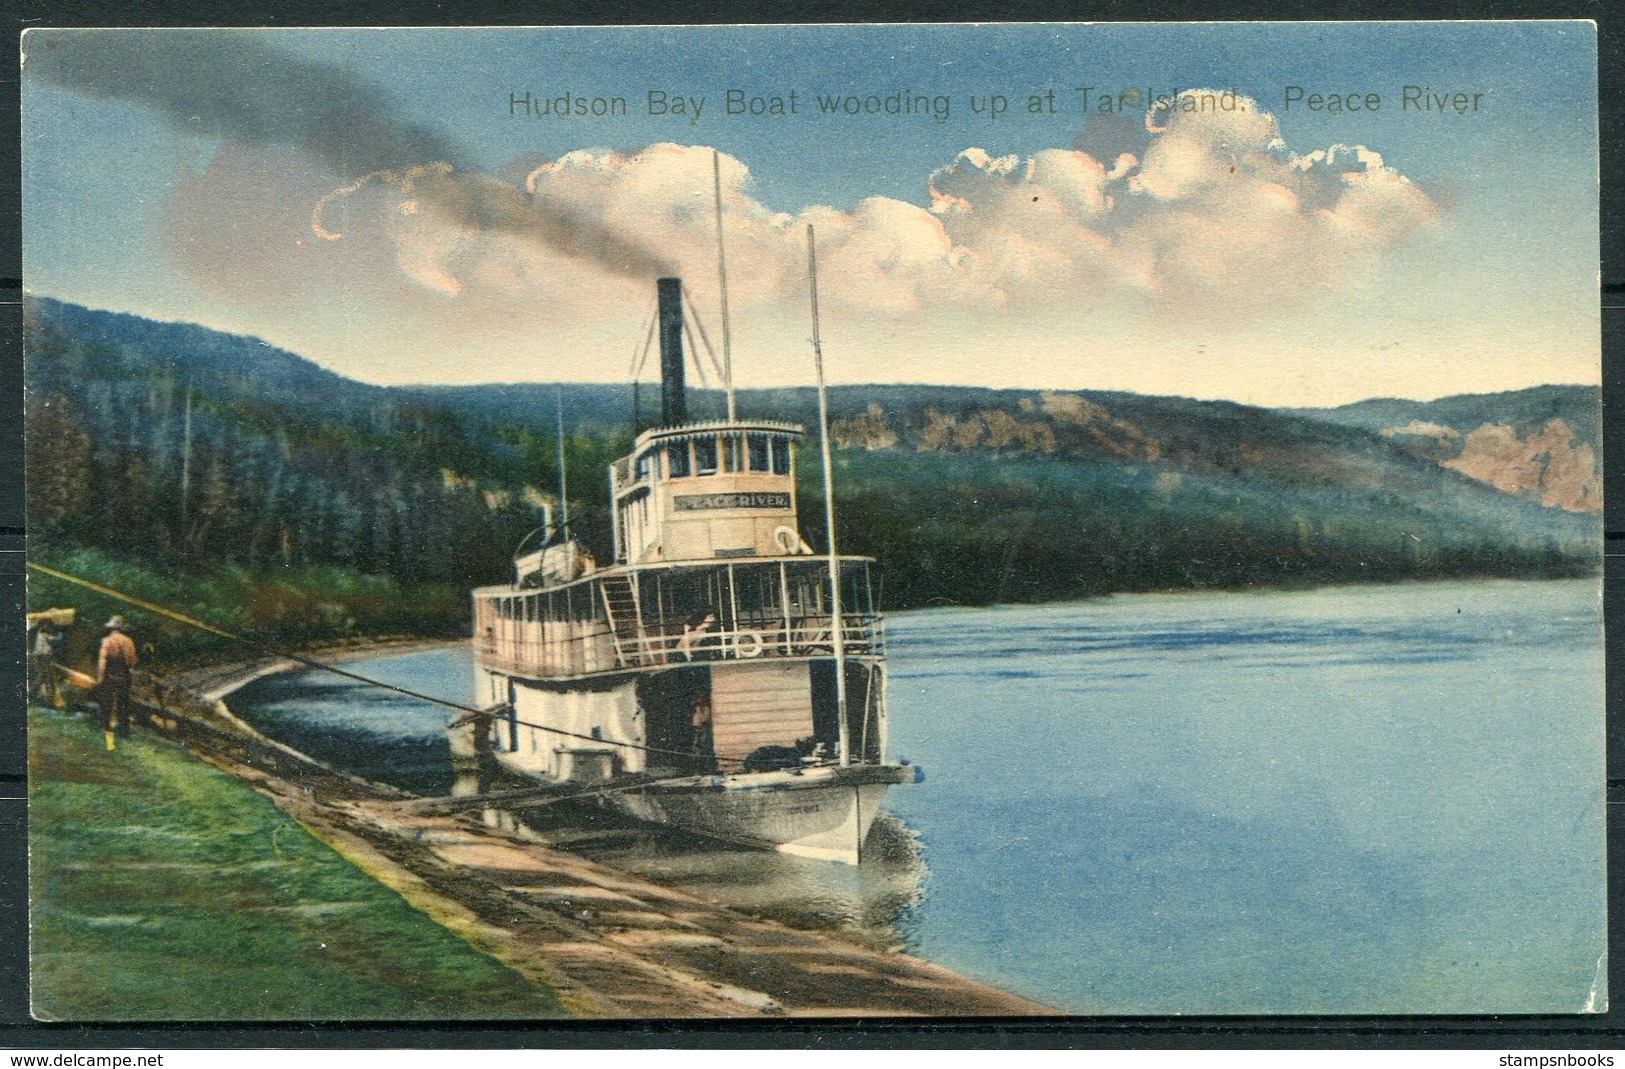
(171, 442)
(1544, 443)
(185, 448)
(1579, 406)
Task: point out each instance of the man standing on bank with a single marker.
(115, 668)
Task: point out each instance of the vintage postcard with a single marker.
(723, 522)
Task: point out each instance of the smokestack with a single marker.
(673, 401)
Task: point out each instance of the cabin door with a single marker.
(756, 705)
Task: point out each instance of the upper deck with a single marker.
(709, 561)
(623, 619)
(707, 491)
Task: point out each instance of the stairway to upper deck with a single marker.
(624, 611)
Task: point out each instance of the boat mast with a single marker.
(836, 637)
(564, 484)
(722, 276)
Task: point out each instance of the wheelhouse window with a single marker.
(705, 456)
(758, 450)
(781, 456)
(677, 460)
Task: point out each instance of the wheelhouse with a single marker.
(707, 491)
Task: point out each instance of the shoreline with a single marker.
(217, 681)
(609, 944)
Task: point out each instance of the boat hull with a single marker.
(823, 813)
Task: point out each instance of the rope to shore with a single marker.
(529, 797)
(472, 712)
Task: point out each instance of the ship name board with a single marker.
(691, 502)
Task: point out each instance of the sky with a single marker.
(1256, 212)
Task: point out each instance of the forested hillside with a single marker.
(285, 499)
(270, 493)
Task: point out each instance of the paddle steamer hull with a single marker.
(824, 813)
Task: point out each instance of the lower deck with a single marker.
(691, 719)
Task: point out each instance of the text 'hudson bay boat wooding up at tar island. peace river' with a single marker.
(720, 676)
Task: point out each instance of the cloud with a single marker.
(318, 187)
(1219, 222)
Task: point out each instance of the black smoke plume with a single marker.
(229, 84)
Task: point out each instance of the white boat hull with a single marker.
(823, 813)
(827, 822)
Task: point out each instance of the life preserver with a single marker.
(789, 542)
(748, 644)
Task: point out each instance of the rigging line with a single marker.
(699, 325)
(527, 797)
(599, 792)
(688, 331)
(640, 358)
(311, 662)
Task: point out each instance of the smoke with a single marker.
(228, 84)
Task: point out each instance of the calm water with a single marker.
(1363, 800)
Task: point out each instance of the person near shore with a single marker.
(115, 670)
(44, 646)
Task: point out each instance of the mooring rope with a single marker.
(311, 662)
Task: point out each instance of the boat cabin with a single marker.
(713, 635)
(707, 491)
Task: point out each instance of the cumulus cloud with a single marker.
(1203, 217)
(1216, 219)
(1220, 219)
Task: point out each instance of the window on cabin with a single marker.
(781, 456)
(705, 456)
(646, 465)
(758, 452)
(677, 460)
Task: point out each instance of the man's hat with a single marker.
(116, 623)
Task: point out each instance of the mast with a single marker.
(836, 637)
(564, 482)
(722, 277)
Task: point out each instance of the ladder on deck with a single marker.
(625, 613)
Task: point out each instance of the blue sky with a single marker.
(1453, 253)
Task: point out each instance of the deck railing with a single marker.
(563, 650)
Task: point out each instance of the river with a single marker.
(1376, 799)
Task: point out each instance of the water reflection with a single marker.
(868, 903)
(1361, 800)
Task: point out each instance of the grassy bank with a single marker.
(163, 889)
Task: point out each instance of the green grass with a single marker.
(163, 889)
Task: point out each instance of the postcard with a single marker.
(1016, 520)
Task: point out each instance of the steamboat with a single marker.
(719, 675)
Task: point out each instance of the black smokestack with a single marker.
(673, 402)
